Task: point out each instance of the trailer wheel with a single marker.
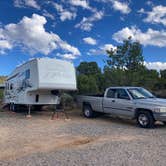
(145, 119)
(87, 111)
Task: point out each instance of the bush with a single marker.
(67, 100)
(1, 94)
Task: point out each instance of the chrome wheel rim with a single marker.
(87, 112)
(143, 120)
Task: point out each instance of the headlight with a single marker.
(162, 109)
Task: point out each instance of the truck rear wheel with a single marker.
(87, 111)
(145, 119)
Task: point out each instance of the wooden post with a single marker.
(29, 112)
(54, 112)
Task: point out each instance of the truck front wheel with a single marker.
(87, 111)
(145, 119)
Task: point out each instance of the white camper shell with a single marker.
(37, 82)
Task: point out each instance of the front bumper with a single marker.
(160, 116)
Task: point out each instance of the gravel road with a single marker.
(40, 141)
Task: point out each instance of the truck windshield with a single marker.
(140, 93)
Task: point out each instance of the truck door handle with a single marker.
(113, 101)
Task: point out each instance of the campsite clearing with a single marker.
(78, 141)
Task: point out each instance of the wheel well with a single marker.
(142, 109)
(86, 104)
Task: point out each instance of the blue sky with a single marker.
(79, 30)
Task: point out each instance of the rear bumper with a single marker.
(160, 116)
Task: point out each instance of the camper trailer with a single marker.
(38, 82)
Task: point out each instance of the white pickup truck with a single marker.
(128, 102)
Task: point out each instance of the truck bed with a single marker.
(96, 101)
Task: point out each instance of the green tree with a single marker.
(126, 56)
(87, 84)
(162, 83)
(114, 77)
(2, 80)
(89, 78)
(88, 68)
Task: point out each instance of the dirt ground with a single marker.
(78, 141)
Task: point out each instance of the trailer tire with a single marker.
(145, 119)
(88, 112)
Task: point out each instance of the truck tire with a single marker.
(145, 119)
(87, 111)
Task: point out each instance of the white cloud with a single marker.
(49, 15)
(156, 16)
(156, 65)
(87, 22)
(90, 40)
(109, 47)
(26, 3)
(117, 5)
(102, 50)
(81, 3)
(67, 56)
(64, 14)
(31, 36)
(4, 44)
(149, 3)
(150, 37)
(95, 52)
(141, 10)
(121, 6)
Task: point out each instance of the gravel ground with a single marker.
(40, 141)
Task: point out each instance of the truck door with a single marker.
(119, 104)
(123, 104)
(109, 100)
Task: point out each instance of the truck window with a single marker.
(111, 93)
(122, 94)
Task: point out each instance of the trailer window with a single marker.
(27, 74)
(11, 86)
